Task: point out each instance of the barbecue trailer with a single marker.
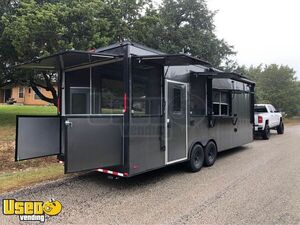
(127, 109)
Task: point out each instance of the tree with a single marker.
(183, 26)
(277, 85)
(38, 29)
(123, 15)
(7, 54)
(35, 28)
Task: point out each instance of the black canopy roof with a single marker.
(73, 58)
(67, 60)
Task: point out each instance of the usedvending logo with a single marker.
(31, 210)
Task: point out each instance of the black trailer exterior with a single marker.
(127, 109)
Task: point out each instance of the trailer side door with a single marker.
(176, 122)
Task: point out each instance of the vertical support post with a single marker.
(252, 102)
(127, 113)
(209, 101)
(61, 101)
(91, 94)
(61, 86)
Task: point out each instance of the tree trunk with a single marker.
(49, 87)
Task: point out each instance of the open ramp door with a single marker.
(37, 136)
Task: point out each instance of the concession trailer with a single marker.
(126, 109)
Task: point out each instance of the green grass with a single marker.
(14, 175)
(14, 180)
(8, 115)
(8, 112)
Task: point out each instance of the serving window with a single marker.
(221, 102)
(198, 96)
(97, 90)
(107, 89)
(146, 89)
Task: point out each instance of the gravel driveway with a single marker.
(255, 184)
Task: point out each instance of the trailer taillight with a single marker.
(125, 103)
(260, 119)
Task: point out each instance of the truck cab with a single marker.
(266, 117)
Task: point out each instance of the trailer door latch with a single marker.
(68, 123)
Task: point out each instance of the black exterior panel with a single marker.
(93, 143)
(37, 136)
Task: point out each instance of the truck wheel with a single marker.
(266, 132)
(210, 154)
(280, 128)
(196, 158)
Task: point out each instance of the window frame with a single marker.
(64, 90)
(21, 92)
(220, 103)
(161, 90)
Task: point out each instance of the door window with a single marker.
(177, 100)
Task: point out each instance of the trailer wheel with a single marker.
(280, 128)
(266, 132)
(196, 158)
(210, 154)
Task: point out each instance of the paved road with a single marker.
(255, 184)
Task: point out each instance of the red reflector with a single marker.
(125, 102)
(260, 119)
(115, 173)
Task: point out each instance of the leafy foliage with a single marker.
(277, 85)
(35, 28)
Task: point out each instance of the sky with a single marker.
(261, 31)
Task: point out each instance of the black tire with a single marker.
(210, 154)
(266, 132)
(280, 128)
(196, 158)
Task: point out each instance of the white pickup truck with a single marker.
(267, 118)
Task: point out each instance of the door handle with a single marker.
(68, 123)
(168, 123)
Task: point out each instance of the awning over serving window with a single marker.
(67, 60)
(173, 60)
(225, 75)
